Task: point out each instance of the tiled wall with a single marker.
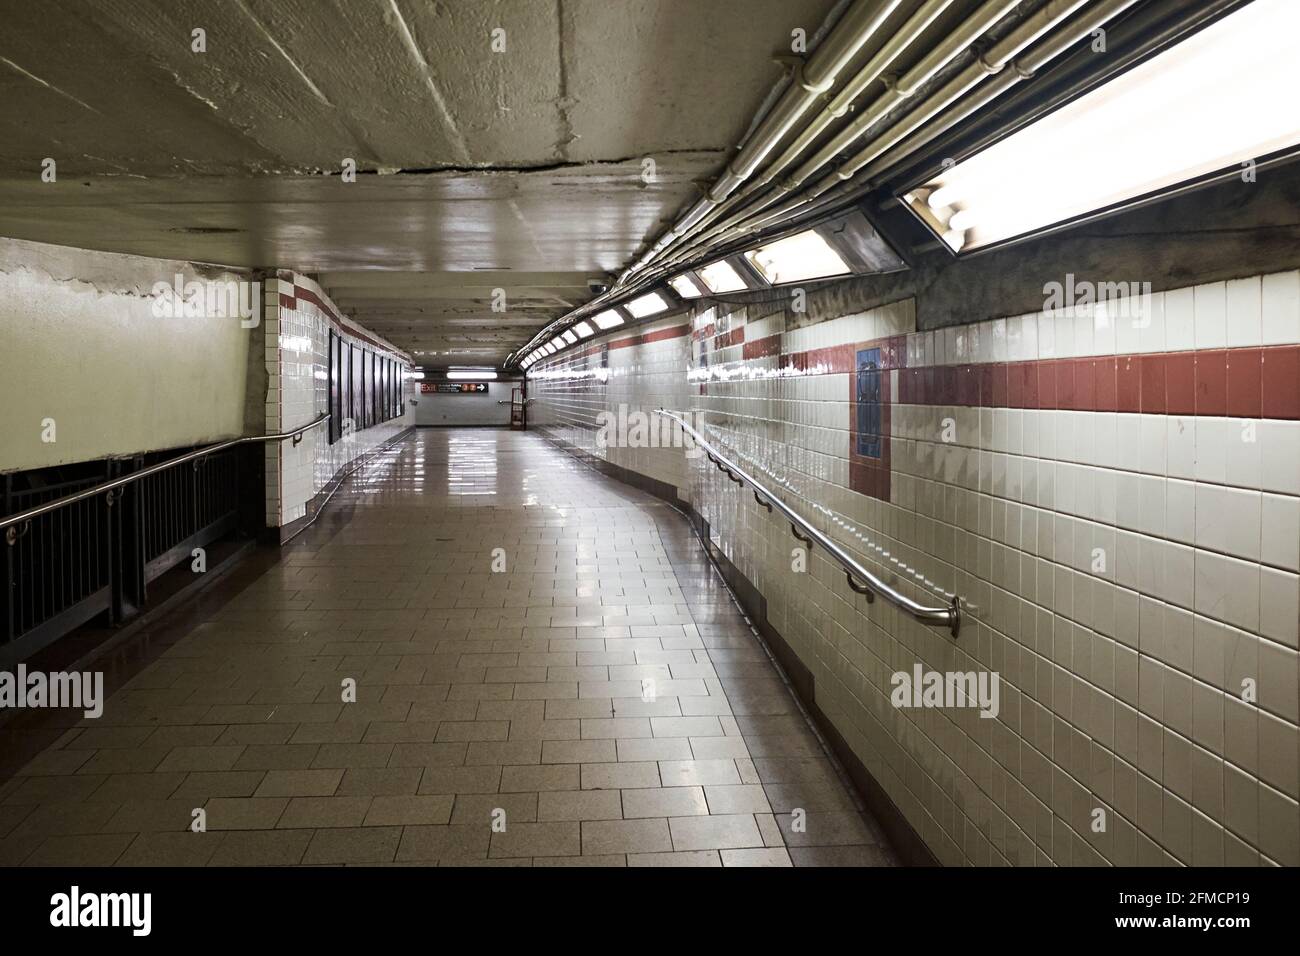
(627, 374)
(299, 317)
(1114, 493)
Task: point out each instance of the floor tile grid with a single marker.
(514, 697)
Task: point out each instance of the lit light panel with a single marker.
(797, 258)
(470, 375)
(584, 330)
(607, 319)
(1222, 97)
(650, 304)
(686, 287)
(720, 277)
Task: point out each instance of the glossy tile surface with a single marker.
(1112, 489)
(597, 699)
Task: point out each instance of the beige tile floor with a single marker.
(600, 701)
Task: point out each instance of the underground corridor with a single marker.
(852, 442)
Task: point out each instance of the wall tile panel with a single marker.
(1113, 491)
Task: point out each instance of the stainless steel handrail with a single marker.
(12, 522)
(949, 617)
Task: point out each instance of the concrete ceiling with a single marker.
(519, 170)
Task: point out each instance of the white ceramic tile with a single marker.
(1210, 318)
(1010, 515)
(1244, 312)
(1280, 525)
(1280, 308)
(1179, 320)
(1149, 317)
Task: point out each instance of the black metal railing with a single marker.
(60, 561)
(180, 504)
(89, 544)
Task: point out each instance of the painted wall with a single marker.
(441, 409)
(1115, 496)
(299, 317)
(81, 344)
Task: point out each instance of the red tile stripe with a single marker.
(672, 332)
(301, 292)
(762, 348)
(1234, 383)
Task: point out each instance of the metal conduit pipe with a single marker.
(993, 62)
(1030, 63)
(897, 90)
(977, 100)
(872, 71)
(868, 74)
(879, 156)
(810, 81)
(831, 188)
(943, 54)
(998, 58)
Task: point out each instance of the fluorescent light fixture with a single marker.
(469, 375)
(416, 375)
(558, 342)
(570, 336)
(721, 277)
(805, 255)
(584, 330)
(686, 287)
(651, 303)
(607, 319)
(1196, 108)
(548, 348)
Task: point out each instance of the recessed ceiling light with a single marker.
(649, 304)
(720, 277)
(584, 330)
(686, 287)
(805, 255)
(1196, 108)
(469, 375)
(607, 319)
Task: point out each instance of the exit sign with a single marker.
(454, 388)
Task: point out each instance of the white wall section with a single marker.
(92, 357)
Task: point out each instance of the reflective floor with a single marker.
(546, 671)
